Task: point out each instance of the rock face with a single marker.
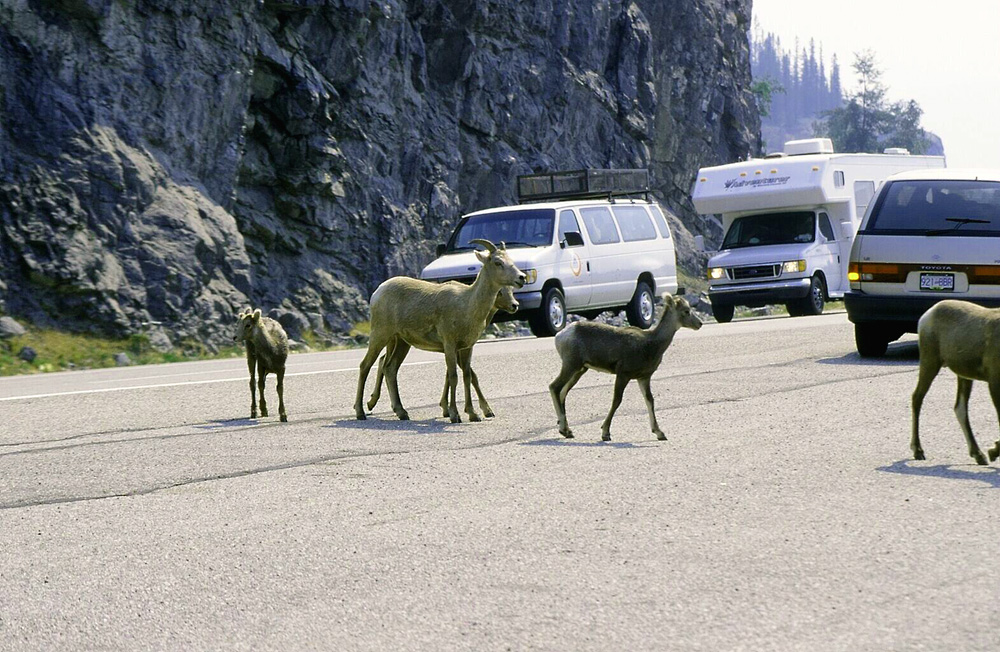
(174, 162)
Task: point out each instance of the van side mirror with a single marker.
(571, 239)
(699, 243)
(439, 249)
(847, 230)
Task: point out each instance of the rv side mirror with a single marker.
(699, 243)
(439, 249)
(571, 239)
(847, 229)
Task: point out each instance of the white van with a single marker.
(588, 240)
(931, 235)
(789, 221)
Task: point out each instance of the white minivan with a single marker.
(588, 241)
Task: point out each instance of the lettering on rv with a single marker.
(732, 184)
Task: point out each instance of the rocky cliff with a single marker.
(164, 163)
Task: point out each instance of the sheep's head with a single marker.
(681, 310)
(245, 324)
(498, 264)
(505, 300)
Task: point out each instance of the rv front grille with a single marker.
(754, 272)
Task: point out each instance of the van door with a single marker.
(828, 248)
(573, 263)
(604, 261)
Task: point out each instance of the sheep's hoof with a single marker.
(994, 452)
(488, 414)
(980, 458)
(919, 455)
(371, 404)
(284, 418)
(661, 437)
(606, 436)
(475, 417)
(253, 414)
(360, 416)
(455, 419)
(403, 416)
(263, 412)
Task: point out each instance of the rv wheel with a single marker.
(723, 313)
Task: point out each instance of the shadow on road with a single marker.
(394, 425)
(899, 354)
(562, 441)
(216, 424)
(986, 474)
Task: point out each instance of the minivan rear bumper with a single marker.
(758, 294)
(864, 308)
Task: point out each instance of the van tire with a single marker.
(641, 309)
(550, 318)
(812, 303)
(723, 313)
(871, 340)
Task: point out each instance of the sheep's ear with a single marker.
(482, 256)
(256, 315)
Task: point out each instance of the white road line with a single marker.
(201, 373)
(193, 382)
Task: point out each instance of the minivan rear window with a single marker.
(938, 207)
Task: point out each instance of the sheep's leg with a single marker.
(483, 404)
(261, 375)
(450, 360)
(559, 388)
(375, 346)
(647, 393)
(399, 351)
(994, 452)
(928, 371)
(380, 374)
(620, 382)
(465, 361)
(253, 387)
(283, 416)
(962, 412)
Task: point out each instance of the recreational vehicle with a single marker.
(789, 221)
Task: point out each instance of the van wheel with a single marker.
(871, 340)
(812, 303)
(723, 313)
(639, 310)
(550, 318)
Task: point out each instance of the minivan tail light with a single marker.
(878, 273)
(852, 273)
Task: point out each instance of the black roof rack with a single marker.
(582, 184)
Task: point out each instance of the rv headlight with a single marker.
(715, 273)
(531, 274)
(793, 266)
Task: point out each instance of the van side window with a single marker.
(600, 225)
(826, 228)
(661, 222)
(634, 223)
(863, 193)
(567, 224)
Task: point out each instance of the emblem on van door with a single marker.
(576, 265)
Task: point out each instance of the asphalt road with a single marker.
(141, 509)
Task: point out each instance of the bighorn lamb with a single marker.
(412, 311)
(626, 352)
(505, 301)
(965, 338)
(267, 351)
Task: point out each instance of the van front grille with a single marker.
(756, 271)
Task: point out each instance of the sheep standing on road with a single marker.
(267, 351)
(629, 353)
(411, 311)
(965, 338)
(505, 301)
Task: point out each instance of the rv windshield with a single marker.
(771, 229)
(516, 228)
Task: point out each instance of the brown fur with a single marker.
(267, 351)
(629, 353)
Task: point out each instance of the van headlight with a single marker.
(792, 266)
(715, 273)
(531, 276)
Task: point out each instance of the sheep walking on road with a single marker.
(965, 338)
(267, 351)
(505, 301)
(408, 311)
(629, 353)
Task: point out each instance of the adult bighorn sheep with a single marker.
(629, 353)
(505, 301)
(964, 337)
(267, 351)
(408, 310)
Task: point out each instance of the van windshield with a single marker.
(515, 228)
(771, 229)
(937, 207)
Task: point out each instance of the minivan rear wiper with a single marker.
(959, 222)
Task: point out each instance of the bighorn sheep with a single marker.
(505, 301)
(267, 351)
(410, 311)
(965, 338)
(626, 352)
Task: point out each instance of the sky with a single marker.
(943, 54)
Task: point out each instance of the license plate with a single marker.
(937, 282)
